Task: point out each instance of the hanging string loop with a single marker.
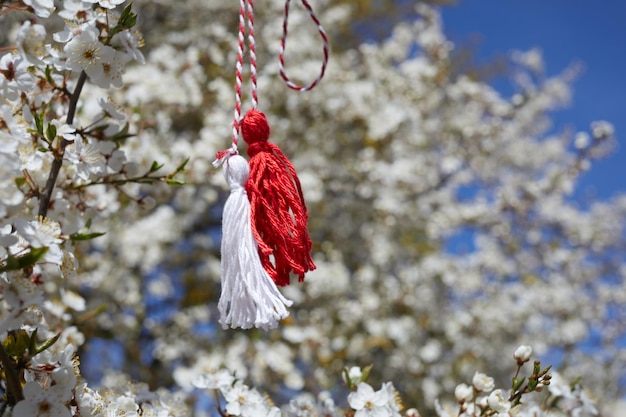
(283, 42)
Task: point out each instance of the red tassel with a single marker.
(277, 210)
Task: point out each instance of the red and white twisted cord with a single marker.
(246, 20)
(238, 70)
(252, 48)
(283, 41)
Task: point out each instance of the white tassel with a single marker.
(249, 296)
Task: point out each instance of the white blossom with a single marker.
(122, 405)
(369, 403)
(42, 8)
(87, 159)
(86, 53)
(482, 382)
(64, 130)
(31, 42)
(112, 71)
(41, 233)
(497, 402)
(89, 401)
(40, 402)
(394, 405)
(14, 77)
(132, 42)
(243, 401)
(602, 129)
(220, 379)
(107, 4)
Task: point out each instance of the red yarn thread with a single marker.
(277, 209)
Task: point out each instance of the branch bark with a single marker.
(14, 387)
(46, 195)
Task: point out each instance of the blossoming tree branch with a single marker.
(110, 222)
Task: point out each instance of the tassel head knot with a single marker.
(254, 127)
(236, 171)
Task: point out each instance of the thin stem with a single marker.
(217, 402)
(519, 367)
(14, 387)
(44, 201)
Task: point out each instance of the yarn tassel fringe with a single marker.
(249, 296)
(278, 213)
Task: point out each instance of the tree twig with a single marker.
(46, 195)
(14, 387)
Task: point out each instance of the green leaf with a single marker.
(39, 123)
(366, 372)
(32, 343)
(155, 166)
(14, 263)
(181, 167)
(127, 12)
(20, 181)
(49, 74)
(46, 344)
(127, 20)
(517, 383)
(172, 181)
(122, 134)
(85, 236)
(51, 132)
(130, 21)
(17, 343)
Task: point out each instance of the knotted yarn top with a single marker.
(254, 127)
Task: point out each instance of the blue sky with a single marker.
(590, 31)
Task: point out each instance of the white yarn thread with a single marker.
(249, 296)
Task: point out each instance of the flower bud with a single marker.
(522, 354)
(463, 393)
(412, 412)
(354, 375)
(482, 382)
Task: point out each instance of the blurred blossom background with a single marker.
(462, 163)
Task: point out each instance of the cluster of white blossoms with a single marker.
(524, 398)
(443, 215)
(527, 396)
(58, 146)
